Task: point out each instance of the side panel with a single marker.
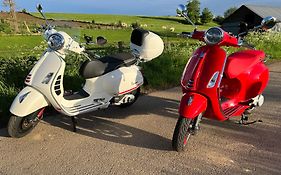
(115, 82)
(192, 104)
(102, 89)
(256, 80)
(131, 79)
(247, 85)
(28, 101)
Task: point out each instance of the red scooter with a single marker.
(218, 86)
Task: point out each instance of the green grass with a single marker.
(14, 46)
(153, 23)
(113, 36)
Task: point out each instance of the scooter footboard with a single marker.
(192, 104)
(28, 101)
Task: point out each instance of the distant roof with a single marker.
(264, 11)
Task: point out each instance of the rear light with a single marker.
(28, 78)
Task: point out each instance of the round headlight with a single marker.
(56, 41)
(214, 36)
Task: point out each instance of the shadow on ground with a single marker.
(101, 124)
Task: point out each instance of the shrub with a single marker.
(135, 25)
(5, 27)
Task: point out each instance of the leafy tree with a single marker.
(24, 11)
(193, 10)
(219, 19)
(206, 16)
(229, 11)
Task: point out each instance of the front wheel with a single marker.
(21, 126)
(182, 133)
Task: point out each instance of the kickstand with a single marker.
(74, 123)
(245, 118)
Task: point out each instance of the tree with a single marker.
(206, 16)
(24, 11)
(193, 10)
(11, 4)
(219, 19)
(229, 11)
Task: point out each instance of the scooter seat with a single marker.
(104, 65)
(242, 61)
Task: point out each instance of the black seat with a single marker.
(104, 65)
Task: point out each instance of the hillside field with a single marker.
(28, 45)
(152, 23)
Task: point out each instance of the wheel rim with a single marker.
(186, 139)
(30, 121)
(188, 134)
(27, 124)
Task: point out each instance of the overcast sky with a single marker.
(133, 7)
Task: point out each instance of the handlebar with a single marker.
(227, 40)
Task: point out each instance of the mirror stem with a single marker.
(188, 19)
(47, 22)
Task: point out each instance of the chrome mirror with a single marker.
(39, 8)
(101, 41)
(268, 22)
(181, 9)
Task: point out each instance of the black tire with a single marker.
(136, 93)
(21, 126)
(182, 134)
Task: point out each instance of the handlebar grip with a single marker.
(186, 33)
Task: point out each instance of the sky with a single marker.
(133, 7)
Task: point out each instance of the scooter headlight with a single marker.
(214, 36)
(56, 41)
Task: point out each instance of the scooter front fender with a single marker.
(192, 104)
(28, 101)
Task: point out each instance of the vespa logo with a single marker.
(48, 78)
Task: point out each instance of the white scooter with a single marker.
(110, 80)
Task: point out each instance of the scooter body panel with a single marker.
(208, 79)
(192, 104)
(28, 101)
(47, 77)
(102, 89)
(245, 66)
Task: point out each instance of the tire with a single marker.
(182, 134)
(136, 93)
(19, 127)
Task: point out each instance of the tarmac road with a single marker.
(137, 140)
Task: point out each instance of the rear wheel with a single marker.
(136, 93)
(21, 126)
(182, 133)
